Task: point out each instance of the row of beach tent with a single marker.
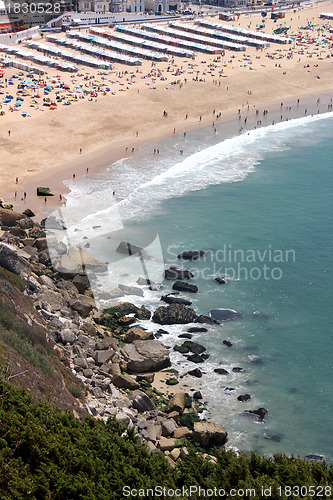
(173, 35)
(220, 35)
(70, 56)
(39, 58)
(105, 38)
(29, 68)
(234, 30)
(150, 44)
(90, 49)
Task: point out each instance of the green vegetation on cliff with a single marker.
(46, 453)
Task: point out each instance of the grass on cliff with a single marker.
(25, 339)
(46, 453)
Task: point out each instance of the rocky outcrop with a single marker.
(177, 403)
(124, 382)
(209, 433)
(260, 414)
(145, 356)
(174, 314)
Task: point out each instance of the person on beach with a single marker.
(73, 176)
(16, 180)
(24, 195)
(80, 151)
(9, 133)
(45, 199)
(87, 171)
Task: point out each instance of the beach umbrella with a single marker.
(19, 99)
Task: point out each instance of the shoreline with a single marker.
(98, 162)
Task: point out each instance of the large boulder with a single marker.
(83, 305)
(121, 309)
(78, 255)
(9, 218)
(209, 433)
(65, 265)
(176, 403)
(81, 281)
(182, 286)
(174, 314)
(137, 334)
(141, 402)
(14, 260)
(124, 382)
(145, 356)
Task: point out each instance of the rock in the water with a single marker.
(223, 314)
(178, 273)
(221, 280)
(124, 382)
(182, 286)
(135, 333)
(205, 319)
(194, 347)
(276, 438)
(131, 290)
(316, 458)
(145, 356)
(238, 369)
(171, 299)
(254, 358)
(195, 373)
(221, 371)
(209, 433)
(260, 413)
(191, 254)
(244, 397)
(196, 329)
(195, 358)
(174, 314)
(181, 349)
(185, 336)
(129, 249)
(227, 343)
(197, 395)
(142, 313)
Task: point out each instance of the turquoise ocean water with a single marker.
(261, 204)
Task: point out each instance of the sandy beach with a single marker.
(49, 146)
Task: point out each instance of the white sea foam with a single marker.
(143, 182)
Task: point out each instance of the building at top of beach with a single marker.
(162, 6)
